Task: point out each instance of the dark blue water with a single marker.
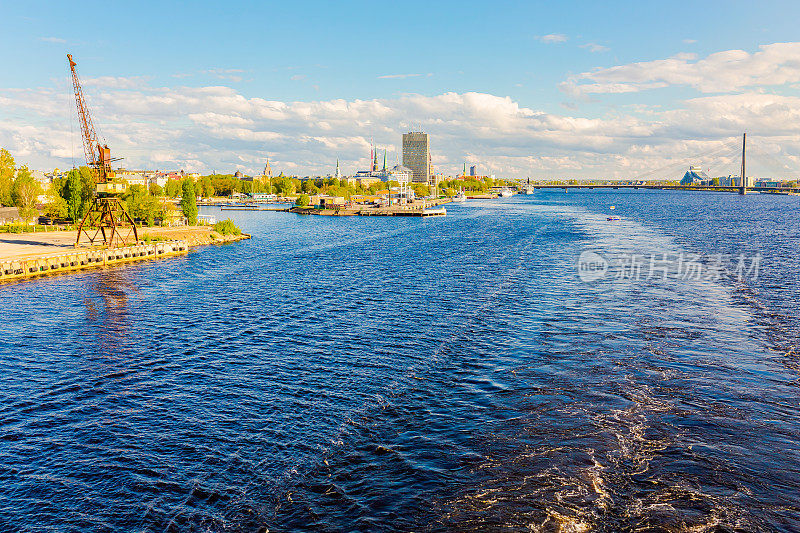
(451, 374)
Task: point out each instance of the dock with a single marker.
(247, 208)
(371, 212)
(29, 255)
(18, 268)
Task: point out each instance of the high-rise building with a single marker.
(417, 155)
(473, 170)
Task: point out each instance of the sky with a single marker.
(520, 89)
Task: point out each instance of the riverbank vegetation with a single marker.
(227, 227)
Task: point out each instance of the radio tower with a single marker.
(106, 223)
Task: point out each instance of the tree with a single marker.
(715, 182)
(450, 192)
(172, 188)
(303, 200)
(421, 189)
(189, 202)
(206, 187)
(156, 190)
(25, 192)
(133, 197)
(7, 168)
(71, 193)
(56, 207)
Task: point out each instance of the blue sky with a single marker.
(400, 57)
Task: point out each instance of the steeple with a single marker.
(384, 160)
(337, 176)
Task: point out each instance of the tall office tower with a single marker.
(473, 170)
(417, 156)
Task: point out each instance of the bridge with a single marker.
(667, 187)
(721, 158)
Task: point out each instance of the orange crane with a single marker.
(106, 218)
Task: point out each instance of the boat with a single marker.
(505, 193)
(460, 197)
(613, 217)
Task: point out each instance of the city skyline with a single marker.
(520, 90)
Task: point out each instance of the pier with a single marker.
(28, 255)
(18, 268)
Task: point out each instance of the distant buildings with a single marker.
(473, 171)
(694, 176)
(417, 156)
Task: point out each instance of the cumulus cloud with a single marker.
(218, 128)
(552, 38)
(727, 71)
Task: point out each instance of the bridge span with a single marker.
(710, 188)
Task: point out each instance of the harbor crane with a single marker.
(106, 223)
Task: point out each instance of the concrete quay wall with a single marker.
(19, 268)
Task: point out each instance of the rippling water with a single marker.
(399, 374)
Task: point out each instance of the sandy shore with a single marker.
(26, 245)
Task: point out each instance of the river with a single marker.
(521, 364)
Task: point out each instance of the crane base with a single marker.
(107, 224)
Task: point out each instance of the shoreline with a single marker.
(30, 255)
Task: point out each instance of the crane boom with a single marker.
(106, 221)
(87, 126)
(98, 156)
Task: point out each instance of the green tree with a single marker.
(25, 192)
(189, 202)
(450, 192)
(7, 169)
(156, 190)
(421, 189)
(56, 207)
(715, 182)
(206, 187)
(172, 188)
(133, 197)
(303, 200)
(71, 193)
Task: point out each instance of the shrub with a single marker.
(303, 200)
(227, 227)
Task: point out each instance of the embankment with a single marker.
(26, 255)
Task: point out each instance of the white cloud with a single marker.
(231, 74)
(594, 47)
(218, 128)
(727, 71)
(398, 76)
(553, 38)
(55, 40)
(689, 41)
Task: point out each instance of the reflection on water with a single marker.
(447, 374)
